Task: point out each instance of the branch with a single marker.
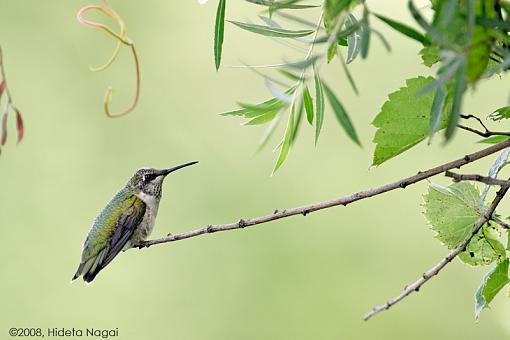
(477, 178)
(415, 286)
(485, 133)
(306, 209)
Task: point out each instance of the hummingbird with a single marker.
(127, 220)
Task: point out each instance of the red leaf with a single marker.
(3, 85)
(19, 125)
(3, 139)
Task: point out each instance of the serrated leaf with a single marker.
(308, 103)
(404, 120)
(287, 140)
(404, 29)
(319, 105)
(272, 31)
(341, 115)
(452, 213)
(219, 29)
(493, 282)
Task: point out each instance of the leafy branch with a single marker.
(415, 286)
(466, 243)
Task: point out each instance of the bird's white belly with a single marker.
(146, 227)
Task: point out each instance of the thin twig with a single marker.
(304, 210)
(485, 133)
(477, 178)
(415, 286)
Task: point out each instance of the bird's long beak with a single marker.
(167, 171)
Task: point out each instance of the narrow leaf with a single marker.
(493, 139)
(353, 40)
(287, 139)
(272, 31)
(19, 125)
(3, 138)
(341, 115)
(319, 105)
(218, 32)
(436, 112)
(308, 101)
(458, 95)
(404, 29)
(3, 85)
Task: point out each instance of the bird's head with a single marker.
(148, 181)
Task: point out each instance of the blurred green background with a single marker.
(298, 278)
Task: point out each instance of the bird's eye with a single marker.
(147, 178)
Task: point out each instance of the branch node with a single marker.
(305, 212)
(210, 229)
(241, 223)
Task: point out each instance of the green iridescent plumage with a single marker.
(126, 220)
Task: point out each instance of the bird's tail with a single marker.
(91, 267)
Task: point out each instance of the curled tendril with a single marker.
(122, 39)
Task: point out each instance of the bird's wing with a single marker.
(126, 226)
(101, 249)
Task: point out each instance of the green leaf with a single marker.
(404, 29)
(308, 101)
(430, 55)
(218, 32)
(298, 114)
(501, 113)
(262, 119)
(268, 132)
(348, 73)
(290, 75)
(287, 140)
(436, 113)
(331, 52)
(492, 283)
(493, 139)
(365, 35)
(341, 115)
(275, 5)
(404, 120)
(272, 31)
(319, 105)
(353, 40)
(484, 248)
(452, 213)
(458, 95)
(478, 55)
